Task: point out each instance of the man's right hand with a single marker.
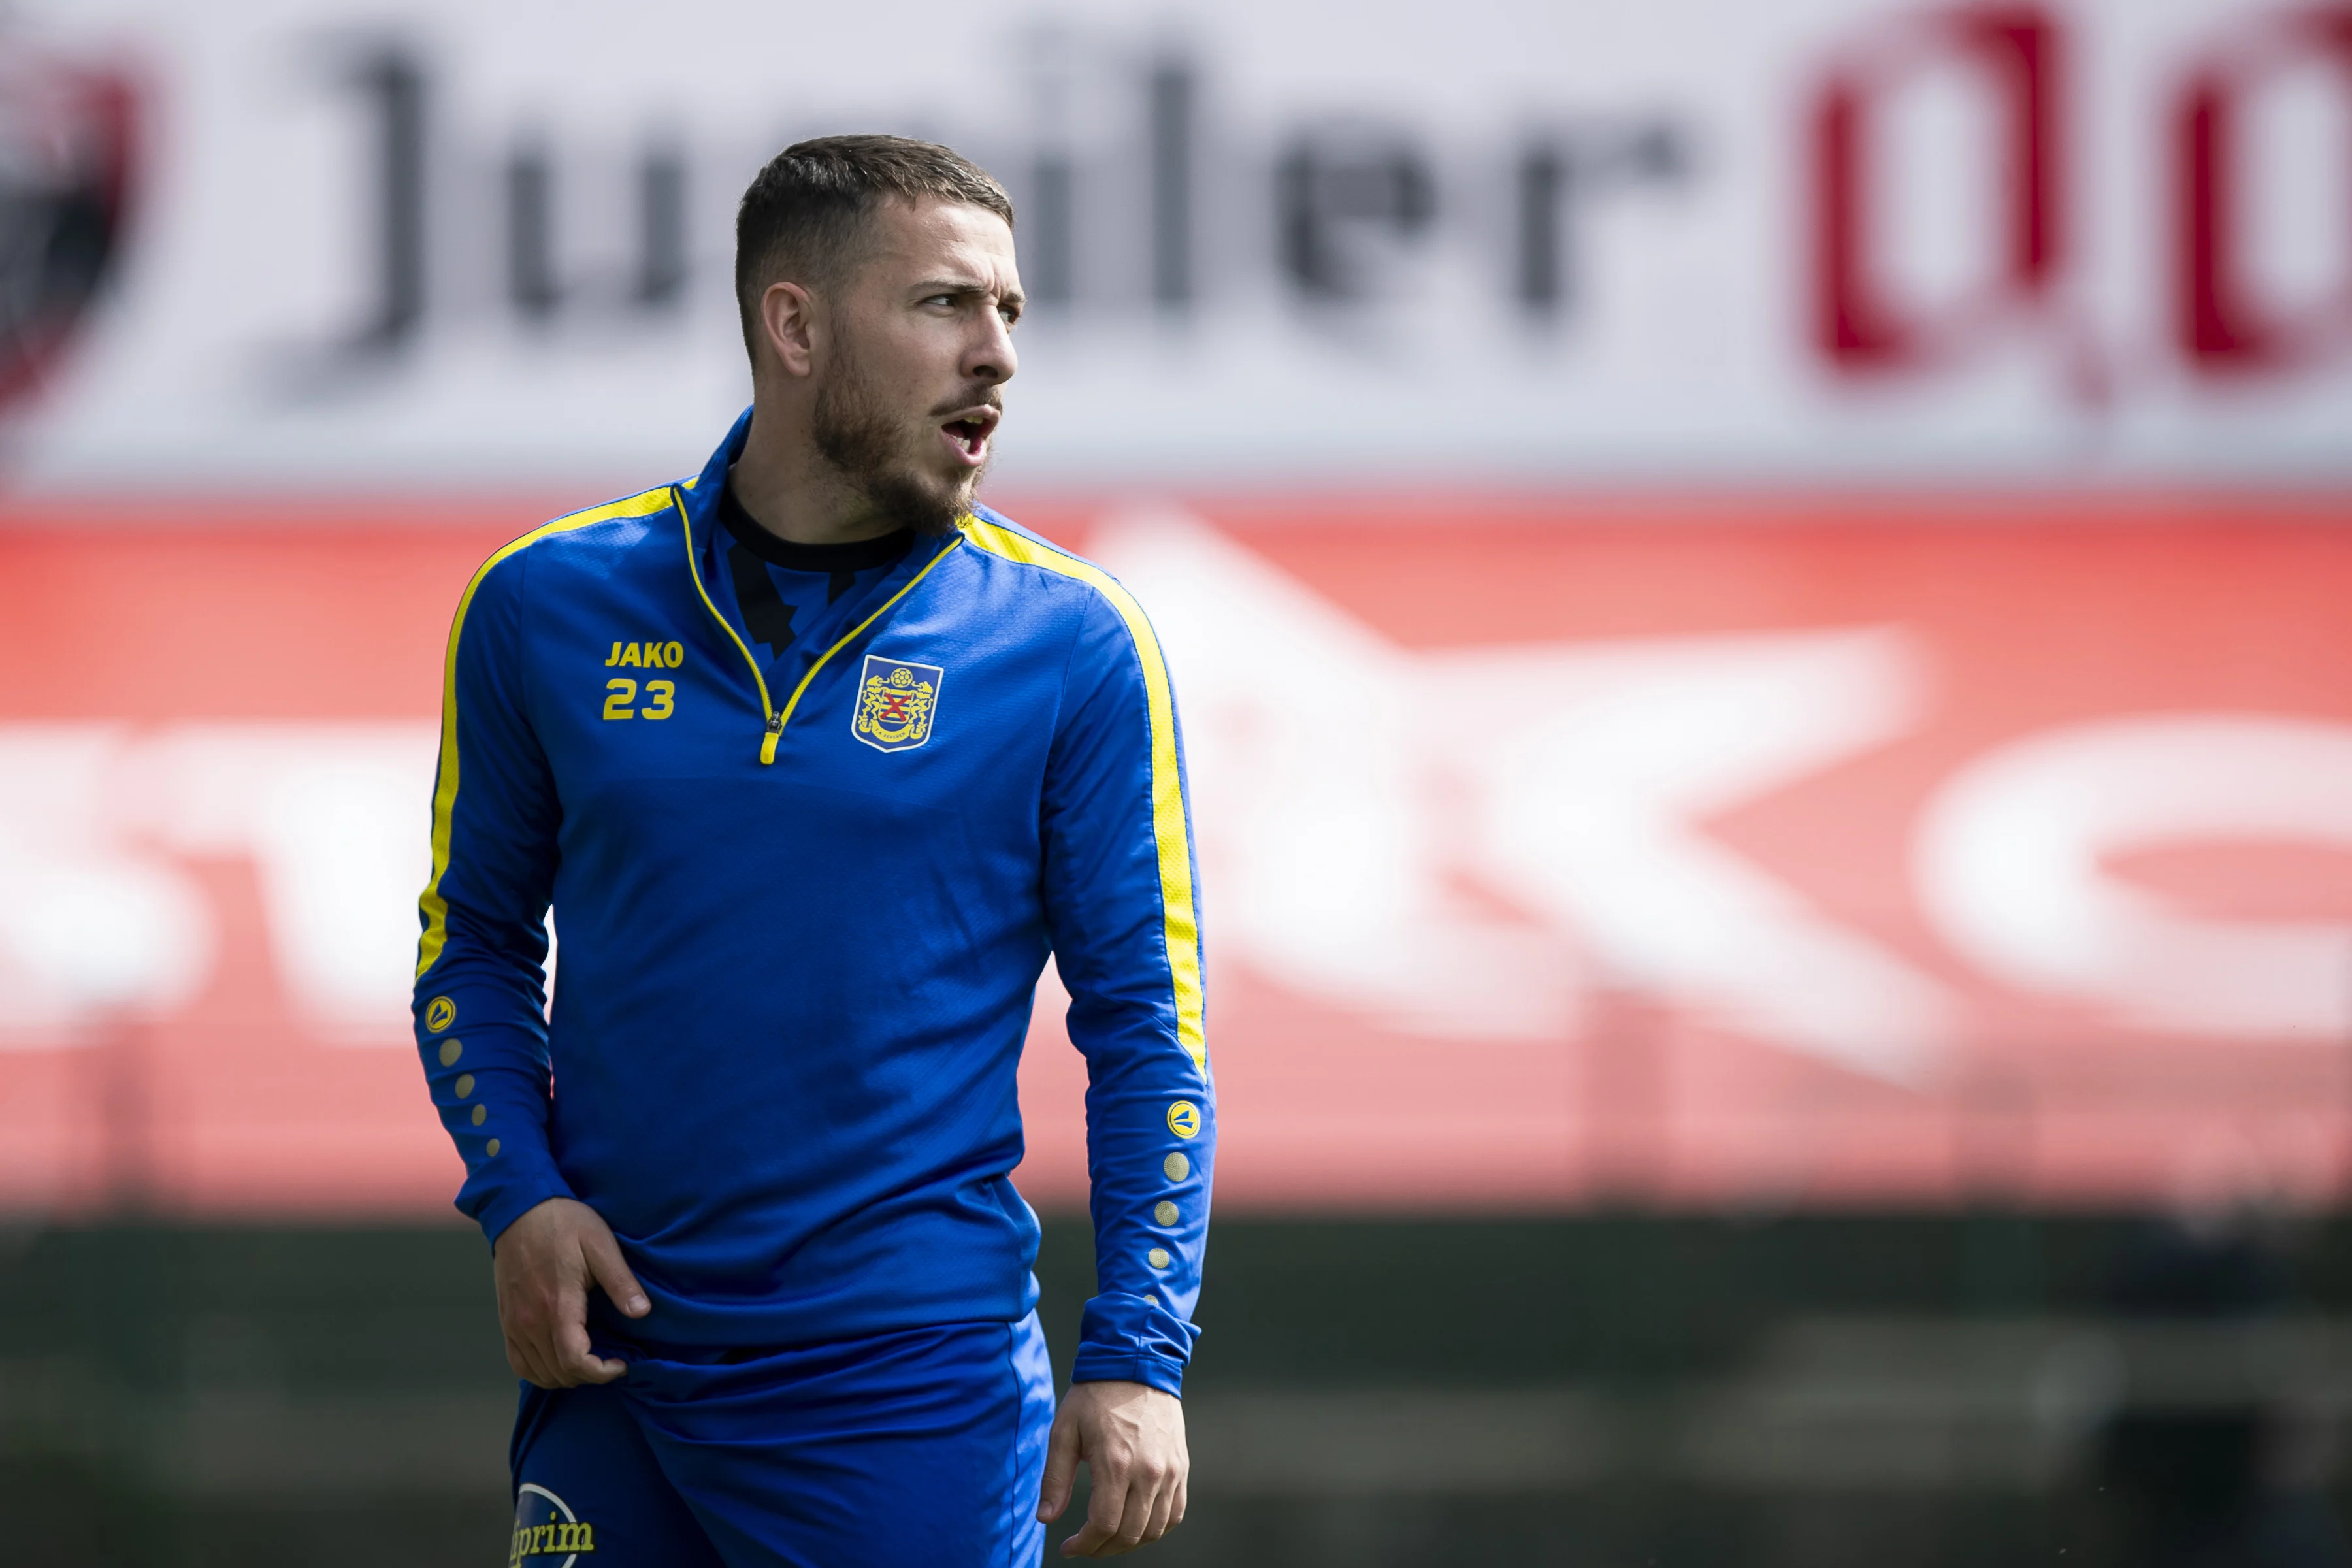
(544, 1263)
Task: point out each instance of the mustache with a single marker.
(979, 395)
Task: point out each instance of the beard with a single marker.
(869, 446)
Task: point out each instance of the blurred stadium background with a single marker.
(1761, 592)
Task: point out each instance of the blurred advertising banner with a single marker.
(1685, 853)
(440, 243)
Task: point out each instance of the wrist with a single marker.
(503, 1205)
(1100, 1363)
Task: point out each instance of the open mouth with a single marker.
(970, 432)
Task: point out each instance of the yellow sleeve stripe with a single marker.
(445, 793)
(1182, 931)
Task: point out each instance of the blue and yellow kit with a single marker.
(804, 898)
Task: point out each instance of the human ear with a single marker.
(788, 315)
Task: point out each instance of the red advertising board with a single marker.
(1709, 852)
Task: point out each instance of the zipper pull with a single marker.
(767, 742)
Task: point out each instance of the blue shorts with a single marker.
(923, 1448)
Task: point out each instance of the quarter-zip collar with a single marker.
(698, 507)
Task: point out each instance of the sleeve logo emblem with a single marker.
(439, 1013)
(896, 703)
(1184, 1118)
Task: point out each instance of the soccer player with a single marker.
(816, 761)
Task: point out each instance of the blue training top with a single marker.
(805, 902)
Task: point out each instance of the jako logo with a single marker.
(650, 655)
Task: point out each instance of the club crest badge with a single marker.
(896, 703)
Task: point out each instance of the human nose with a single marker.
(991, 356)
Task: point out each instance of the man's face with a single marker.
(908, 399)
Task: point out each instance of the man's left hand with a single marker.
(1131, 1437)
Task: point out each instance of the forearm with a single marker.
(1123, 908)
(1151, 1141)
(485, 1067)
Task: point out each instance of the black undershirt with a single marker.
(766, 615)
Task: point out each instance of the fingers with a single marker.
(532, 1351)
(1106, 1505)
(1131, 1438)
(1160, 1517)
(1097, 1531)
(605, 1264)
(1134, 1503)
(530, 1348)
(1151, 1492)
(1060, 1468)
(545, 1263)
(525, 1362)
(547, 1340)
(576, 1363)
(561, 1360)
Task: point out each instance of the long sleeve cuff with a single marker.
(504, 1204)
(1132, 1339)
(1109, 1365)
(489, 1080)
(510, 1169)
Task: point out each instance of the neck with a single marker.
(792, 491)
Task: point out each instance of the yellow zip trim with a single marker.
(445, 792)
(694, 570)
(776, 721)
(1179, 925)
(785, 717)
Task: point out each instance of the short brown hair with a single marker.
(803, 213)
